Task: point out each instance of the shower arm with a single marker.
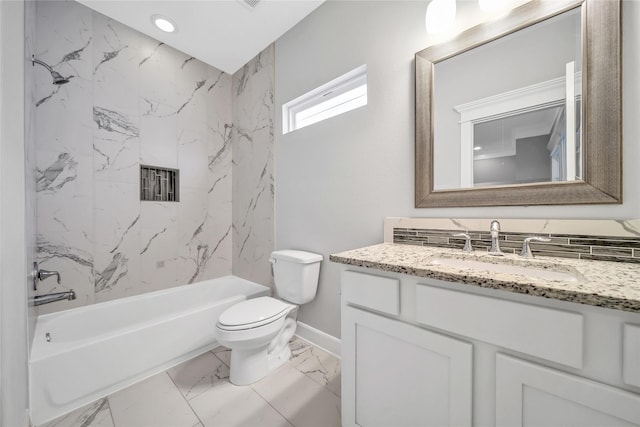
(35, 61)
(58, 79)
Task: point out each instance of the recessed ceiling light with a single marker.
(163, 23)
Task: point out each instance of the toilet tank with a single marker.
(296, 274)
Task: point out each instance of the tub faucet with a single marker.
(495, 232)
(57, 296)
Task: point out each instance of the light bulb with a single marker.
(440, 15)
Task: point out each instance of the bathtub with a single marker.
(83, 354)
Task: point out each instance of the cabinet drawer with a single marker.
(631, 354)
(547, 333)
(369, 291)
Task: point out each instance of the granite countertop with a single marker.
(614, 285)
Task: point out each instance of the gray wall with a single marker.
(533, 162)
(337, 180)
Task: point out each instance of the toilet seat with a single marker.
(253, 313)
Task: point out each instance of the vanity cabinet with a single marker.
(404, 375)
(528, 394)
(422, 352)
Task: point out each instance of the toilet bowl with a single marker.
(258, 330)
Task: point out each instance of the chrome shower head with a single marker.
(57, 77)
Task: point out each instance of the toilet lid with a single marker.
(253, 313)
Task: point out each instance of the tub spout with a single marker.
(57, 296)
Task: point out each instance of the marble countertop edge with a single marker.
(607, 284)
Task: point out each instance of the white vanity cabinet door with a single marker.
(532, 395)
(396, 374)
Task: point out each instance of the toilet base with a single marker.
(248, 366)
(251, 365)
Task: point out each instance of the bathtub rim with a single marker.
(42, 349)
(145, 295)
(54, 348)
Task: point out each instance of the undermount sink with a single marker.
(547, 273)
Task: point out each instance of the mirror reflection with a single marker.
(508, 112)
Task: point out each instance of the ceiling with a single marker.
(223, 33)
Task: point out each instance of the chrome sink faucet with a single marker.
(495, 232)
(526, 249)
(467, 242)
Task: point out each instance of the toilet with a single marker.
(258, 330)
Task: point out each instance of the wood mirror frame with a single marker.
(601, 111)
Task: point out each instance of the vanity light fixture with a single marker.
(163, 23)
(440, 15)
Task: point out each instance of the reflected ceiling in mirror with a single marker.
(525, 110)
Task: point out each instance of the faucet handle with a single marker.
(467, 242)
(526, 250)
(45, 274)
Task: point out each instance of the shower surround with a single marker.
(132, 100)
(253, 183)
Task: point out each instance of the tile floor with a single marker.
(305, 392)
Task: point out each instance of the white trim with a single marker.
(13, 248)
(322, 340)
(570, 123)
(342, 94)
(520, 100)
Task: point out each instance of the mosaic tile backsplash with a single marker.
(602, 248)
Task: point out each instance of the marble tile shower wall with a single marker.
(253, 184)
(132, 100)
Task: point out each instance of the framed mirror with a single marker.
(523, 111)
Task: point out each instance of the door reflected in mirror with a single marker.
(508, 112)
(524, 148)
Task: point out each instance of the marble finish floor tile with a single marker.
(317, 364)
(198, 375)
(230, 405)
(301, 400)
(223, 354)
(96, 414)
(154, 402)
(197, 393)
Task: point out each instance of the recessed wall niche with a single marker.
(159, 184)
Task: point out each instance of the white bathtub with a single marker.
(98, 349)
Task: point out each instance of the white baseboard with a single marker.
(320, 339)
